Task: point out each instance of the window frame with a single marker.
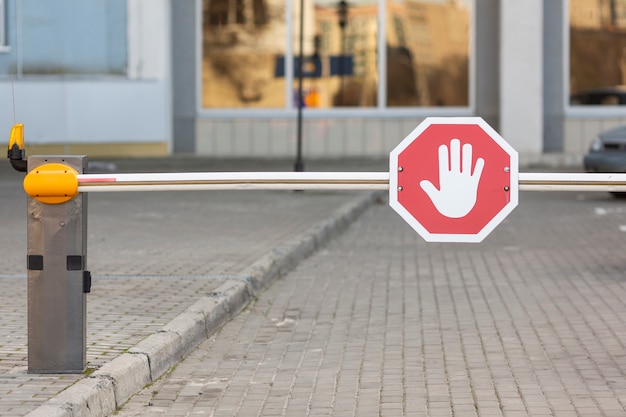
(380, 110)
(579, 110)
(3, 25)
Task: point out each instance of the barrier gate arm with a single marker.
(57, 183)
(607, 182)
(234, 181)
(322, 181)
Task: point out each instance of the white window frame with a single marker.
(3, 21)
(4, 36)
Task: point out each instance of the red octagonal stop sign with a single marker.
(453, 179)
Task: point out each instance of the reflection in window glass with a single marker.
(73, 37)
(597, 51)
(245, 63)
(428, 43)
(339, 68)
(243, 53)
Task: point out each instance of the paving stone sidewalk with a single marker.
(153, 256)
(379, 323)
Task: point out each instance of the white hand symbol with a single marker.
(458, 186)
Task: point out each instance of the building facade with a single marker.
(220, 77)
(87, 77)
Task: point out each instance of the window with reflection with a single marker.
(597, 57)
(340, 63)
(72, 37)
(427, 45)
(243, 42)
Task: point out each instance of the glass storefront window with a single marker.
(428, 48)
(339, 66)
(73, 37)
(597, 52)
(246, 58)
(243, 43)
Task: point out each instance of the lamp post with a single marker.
(342, 14)
(299, 164)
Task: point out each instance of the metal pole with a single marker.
(299, 165)
(572, 182)
(321, 181)
(39, 185)
(342, 66)
(342, 11)
(233, 181)
(57, 278)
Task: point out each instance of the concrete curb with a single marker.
(101, 393)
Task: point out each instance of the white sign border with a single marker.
(450, 238)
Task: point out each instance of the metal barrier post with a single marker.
(57, 280)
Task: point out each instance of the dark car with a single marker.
(603, 96)
(607, 152)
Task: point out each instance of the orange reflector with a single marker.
(52, 183)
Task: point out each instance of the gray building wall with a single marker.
(521, 75)
(507, 79)
(487, 58)
(184, 70)
(88, 76)
(149, 52)
(553, 73)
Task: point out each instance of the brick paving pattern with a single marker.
(528, 323)
(152, 254)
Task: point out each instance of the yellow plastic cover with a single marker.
(52, 183)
